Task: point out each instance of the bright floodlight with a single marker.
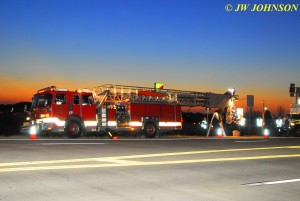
(32, 130)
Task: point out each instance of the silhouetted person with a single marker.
(216, 122)
(286, 124)
(268, 120)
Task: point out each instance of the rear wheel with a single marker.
(74, 129)
(150, 129)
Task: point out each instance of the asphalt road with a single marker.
(137, 169)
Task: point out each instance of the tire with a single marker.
(74, 129)
(150, 129)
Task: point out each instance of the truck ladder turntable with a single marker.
(110, 94)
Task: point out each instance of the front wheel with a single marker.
(73, 129)
(150, 130)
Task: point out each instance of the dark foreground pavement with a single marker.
(150, 169)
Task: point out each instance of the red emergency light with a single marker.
(50, 88)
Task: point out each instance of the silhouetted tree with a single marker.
(281, 111)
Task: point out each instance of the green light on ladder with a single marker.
(158, 86)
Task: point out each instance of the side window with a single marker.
(60, 99)
(75, 99)
(87, 99)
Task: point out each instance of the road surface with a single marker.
(163, 169)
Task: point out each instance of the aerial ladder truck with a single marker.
(295, 110)
(111, 108)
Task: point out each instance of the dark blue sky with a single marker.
(192, 45)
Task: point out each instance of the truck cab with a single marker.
(61, 110)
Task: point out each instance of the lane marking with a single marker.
(71, 143)
(140, 156)
(252, 141)
(272, 182)
(121, 161)
(144, 139)
(93, 139)
(56, 139)
(126, 163)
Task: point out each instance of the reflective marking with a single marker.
(70, 143)
(125, 163)
(161, 124)
(112, 123)
(52, 120)
(90, 123)
(252, 141)
(272, 182)
(169, 124)
(121, 161)
(136, 123)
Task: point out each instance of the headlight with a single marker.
(44, 115)
(292, 124)
(33, 130)
(266, 131)
(242, 122)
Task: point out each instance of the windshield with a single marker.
(41, 100)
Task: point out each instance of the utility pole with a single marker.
(250, 105)
(263, 113)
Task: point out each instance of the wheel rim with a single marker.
(150, 129)
(73, 128)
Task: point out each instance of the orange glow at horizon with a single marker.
(15, 90)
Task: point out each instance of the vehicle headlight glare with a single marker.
(33, 130)
(266, 131)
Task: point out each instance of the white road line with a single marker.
(272, 182)
(70, 143)
(252, 141)
(92, 139)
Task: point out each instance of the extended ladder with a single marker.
(109, 93)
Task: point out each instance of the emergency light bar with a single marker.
(51, 88)
(83, 90)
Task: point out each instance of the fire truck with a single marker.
(295, 110)
(111, 108)
(295, 119)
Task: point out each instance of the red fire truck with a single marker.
(111, 108)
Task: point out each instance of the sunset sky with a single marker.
(186, 44)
